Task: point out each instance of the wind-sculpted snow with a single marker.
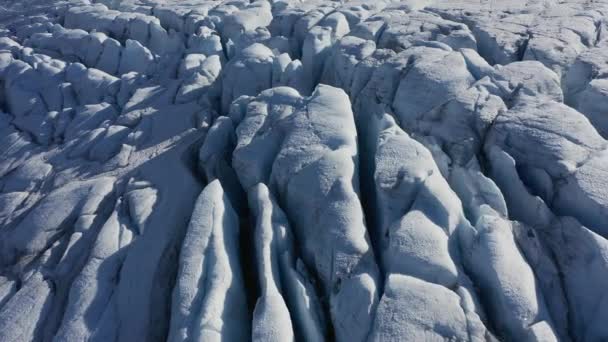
(286, 170)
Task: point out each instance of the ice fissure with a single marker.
(286, 170)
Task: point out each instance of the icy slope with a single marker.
(280, 170)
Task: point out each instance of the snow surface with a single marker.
(303, 170)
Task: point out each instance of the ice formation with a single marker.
(303, 170)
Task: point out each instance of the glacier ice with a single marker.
(287, 170)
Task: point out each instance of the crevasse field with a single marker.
(292, 170)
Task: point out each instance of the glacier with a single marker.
(303, 170)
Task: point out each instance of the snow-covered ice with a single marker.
(289, 170)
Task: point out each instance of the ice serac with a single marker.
(47, 222)
(241, 28)
(528, 30)
(92, 292)
(215, 160)
(559, 157)
(581, 257)
(521, 82)
(432, 77)
(417, 221)
(257, 68)
(414, 310)
(453, 189)
(423, 233)
(22, 317)
(143, 28)
(288, 306)
(247, 74)
(305, 150)
(507, 283)
(432, 90)
(209, 299)
(586, 87)
(271, 321)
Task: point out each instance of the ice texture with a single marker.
(288, 170)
